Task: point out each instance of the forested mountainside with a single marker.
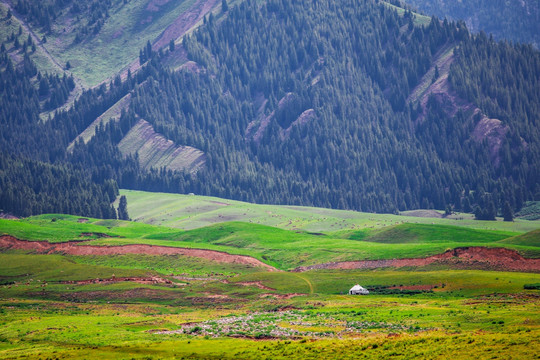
(347, 105)
(518, 21)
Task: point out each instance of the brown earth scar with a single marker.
(71, 248)
(477, 256)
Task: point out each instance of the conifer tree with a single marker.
(122, 209)
(507, 212)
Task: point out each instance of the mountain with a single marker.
(357, 105)
(516, 21)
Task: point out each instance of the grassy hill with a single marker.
(281, 248)
(128, 28)
(54, 306)
(193, 211)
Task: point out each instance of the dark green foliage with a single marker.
(89, 16)
(530, 211)
(30, 187)
(507, 212)
(360, 150)
(303, 103)
(511, 20)
(122, 209)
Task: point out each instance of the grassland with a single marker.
(418, 19)
(277, 247)
(489, 313)
(52, 306)
(125, 32)
(193, 211)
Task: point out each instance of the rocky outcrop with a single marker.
(154, 150)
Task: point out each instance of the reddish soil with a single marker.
(413, 287)
(491, 129)
(140, 280)
(184, 22)
(72, 248)
(178, 28)
(463, 257)
(258, 284)
(494, 131)
(8, 216)
(282, 296)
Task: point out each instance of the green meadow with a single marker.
(127, 29)
(303, 316)
(195, 211)
(60, 306)
(283, 249)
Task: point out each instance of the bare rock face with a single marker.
(494, 132)
(154, 150)
(303, 119)
(440, 90)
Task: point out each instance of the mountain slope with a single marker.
(358, 106)
(511, 20)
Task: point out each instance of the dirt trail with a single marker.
(75, 248)
(463, 257)
(78, 83)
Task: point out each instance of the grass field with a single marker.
(52, 306)
(489, 313)
(281, 248)
(193, 211)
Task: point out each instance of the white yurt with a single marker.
(358, 290)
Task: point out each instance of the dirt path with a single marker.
(307, 281)
(76, 248)
(464, 257)
(35, 38)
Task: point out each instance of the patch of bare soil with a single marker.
(6, 216)
(494, 131)
(414, 287)
(178, 28)
(72, 248)
(139, 280)
(258, 284)
(281, 296)
(303, 119)
(441, 90)
(422, 213)
(464, 258)
(504, 298)
(185, 22)
(216, 296)
(139, 293)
